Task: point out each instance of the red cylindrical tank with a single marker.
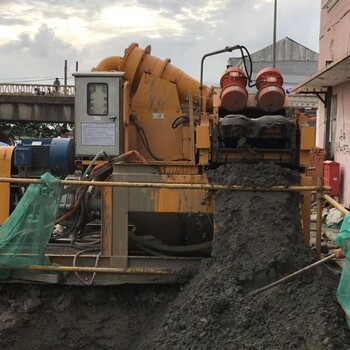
(271, 94)
(233, 94)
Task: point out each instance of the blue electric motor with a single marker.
(33, 157)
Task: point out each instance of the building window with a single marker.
(328, 4)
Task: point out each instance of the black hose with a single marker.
(148, 250)
(171, 248)
(180, 120)
(146, 144)
(249, 72)
(143, 136)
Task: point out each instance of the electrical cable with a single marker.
(121, 158)
(21, 78)
(72, 228)
(250, 71)
(82, 191)
(78, 223)
(143, 136)
(147, 146)
(87, 240)
(87, 170)
(30, 81)
(74, 208)
(80, 204)
(98, 256)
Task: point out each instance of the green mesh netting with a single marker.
(25, 234)
(343, 293)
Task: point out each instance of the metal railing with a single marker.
(207, 187)
(37, 89)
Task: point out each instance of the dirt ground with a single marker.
(257, 240)
(58, 317)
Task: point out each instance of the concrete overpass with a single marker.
(40, 103)
(47, 103)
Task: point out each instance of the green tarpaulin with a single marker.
(25, 234)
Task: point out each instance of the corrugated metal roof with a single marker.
(296, 62)
(286, 50)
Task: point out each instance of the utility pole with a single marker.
(76, 66)
(274, 35)
(65, 72)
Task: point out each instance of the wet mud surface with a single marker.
(57, 317)
(257, 240)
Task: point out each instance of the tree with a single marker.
(19, 130)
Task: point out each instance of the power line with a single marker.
(30, 80)
(27, 77)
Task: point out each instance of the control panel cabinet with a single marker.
(98, 113)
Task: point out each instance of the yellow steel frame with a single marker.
(5, 171)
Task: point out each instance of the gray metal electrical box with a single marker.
(98, 113)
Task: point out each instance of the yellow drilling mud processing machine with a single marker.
(135, 204)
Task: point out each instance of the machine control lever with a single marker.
(113, 118)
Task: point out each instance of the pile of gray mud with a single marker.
(257, 240)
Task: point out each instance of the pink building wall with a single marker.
(334, 32)
(342, 138)
(334, 46)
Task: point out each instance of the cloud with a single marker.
(37, 36)
(6, 21)
(40, 56)
(43, 44)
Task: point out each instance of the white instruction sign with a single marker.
(98, 134)
(158, 116)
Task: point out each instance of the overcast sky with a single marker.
(36, 36)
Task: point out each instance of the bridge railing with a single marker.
(37, 89)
